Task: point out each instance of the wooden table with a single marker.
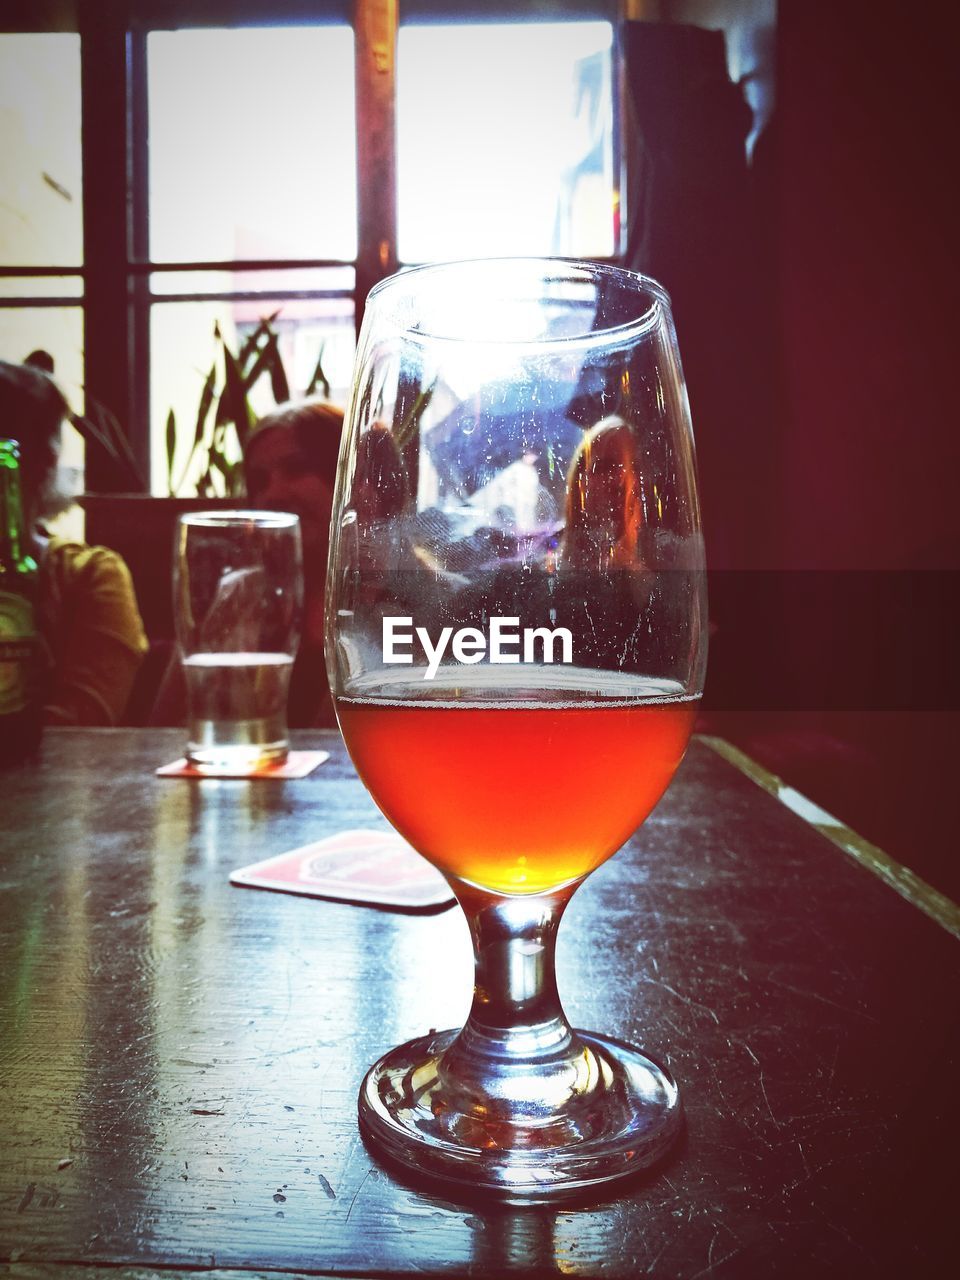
(180, 1059)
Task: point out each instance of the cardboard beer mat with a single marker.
(297, 765)
(377, 868)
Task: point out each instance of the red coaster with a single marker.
(297, 765)
(374, 867)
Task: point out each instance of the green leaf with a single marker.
(171, 443)
(206, 400)
(258, 368)
(205, 485)
(319, 376)
(251, 342)
(233, 479)
(268, 361)
(110, 429)
(91, 432)
(278, 376)
(217, 460)
(230, 473)
(234, 401)
(410, 424)
(102, 428)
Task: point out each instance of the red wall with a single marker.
(865, 209)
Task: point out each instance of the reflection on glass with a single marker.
(507, 150)
(252, 147)
(183, 349)
(41, 206)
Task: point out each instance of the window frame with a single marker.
(117, 298)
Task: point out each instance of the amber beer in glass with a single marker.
(516, 648)
(480, 818)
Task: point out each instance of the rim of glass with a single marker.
(240, 519)
(573, 269)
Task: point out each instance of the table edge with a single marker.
(901, 879)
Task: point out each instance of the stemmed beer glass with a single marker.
(516, 624)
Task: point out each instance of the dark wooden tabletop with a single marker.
(180, 1059)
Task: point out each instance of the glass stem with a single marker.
(516, 1015)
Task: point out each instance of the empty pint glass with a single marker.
(238, 599)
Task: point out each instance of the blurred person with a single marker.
(379, 498)
(290, 464)
(87, 612)
(380, 489)
(607, 553)
(604, 503)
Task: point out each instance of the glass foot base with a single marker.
(599, 1112)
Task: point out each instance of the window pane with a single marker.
(304, 279)
(252, 149)
(41, 219)
(56, 330)
(183, 349)
(504, 140)
(41, 286)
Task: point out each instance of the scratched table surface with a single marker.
(179, 1059)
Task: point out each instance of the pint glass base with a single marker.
(236, 746)
(234, 760)
(603, 1113)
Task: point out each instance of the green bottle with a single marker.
(21, 664)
